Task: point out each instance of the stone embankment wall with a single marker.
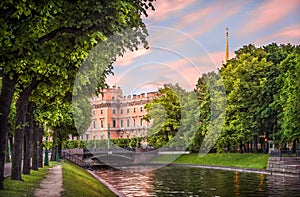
(288, 165)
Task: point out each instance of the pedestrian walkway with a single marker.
(51, 186)
(7, 169)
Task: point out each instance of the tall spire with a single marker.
(226, 47)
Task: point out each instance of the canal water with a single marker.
(185, 181)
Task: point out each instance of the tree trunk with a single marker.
(167, 136)
(40, 147)
(294, 145)
(7, 93)
(241, 147)
(228, 146)
(28, 139)
(60, 148)
(21, 107)
(255, 144)
(53, 150)
(7, 151)
(35, 146)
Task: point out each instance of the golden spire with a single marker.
(226, 47)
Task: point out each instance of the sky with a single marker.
(187, 39)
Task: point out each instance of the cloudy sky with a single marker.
(187, 38)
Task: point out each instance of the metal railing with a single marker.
(74, 159)
(284, 153)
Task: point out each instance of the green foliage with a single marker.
(289, 97)
(210, 94)
(261, 85)
(122, 142)
(165, 111)
(244, 79)
(43, 44)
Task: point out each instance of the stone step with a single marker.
(284, 158)
(289, 162)
(296, 167)
(293, 171)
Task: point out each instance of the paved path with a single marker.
(7, 169)
(51, 186)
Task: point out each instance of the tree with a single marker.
(52, 38)
(271, 93)
(165, 111)
(211, 109)
(289, 97)
(244, 77)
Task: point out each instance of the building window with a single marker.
(121, 111)
(121, 136)
(134, 110)
(101, 111)
(127, 111)
(141, 122)
(134, 122)
(114, 123)
(128, 123)
(114, 111)
(121, 123)
(127, 136)
(94, 124)
(113, 98)
(101, 123)
(141, 109)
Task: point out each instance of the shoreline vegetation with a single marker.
(76, 182)
(245, 160)
(29, 184)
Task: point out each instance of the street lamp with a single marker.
(108, 137)
(46, 161)
(56, 154)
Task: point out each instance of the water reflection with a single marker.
(236, 183)
(183, 181)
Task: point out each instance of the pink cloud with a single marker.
(268, 13)
(193, 67)
(224, 13)
(112, 80)
(287, 35)
(194, 17)
(130, 56)
(166, 8)
(185, 71)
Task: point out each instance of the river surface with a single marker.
(185, 181)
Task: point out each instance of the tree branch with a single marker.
(57, 32)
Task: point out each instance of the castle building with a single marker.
(118, 116)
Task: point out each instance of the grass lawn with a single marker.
(26, 187)
(246, 160)
(78, 182)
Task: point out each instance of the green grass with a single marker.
(246, 160)
(26, 187)
(78, 182)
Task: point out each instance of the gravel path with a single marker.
(51, 186)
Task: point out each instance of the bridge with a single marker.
(116, 156)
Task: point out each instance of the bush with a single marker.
(123, 143)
